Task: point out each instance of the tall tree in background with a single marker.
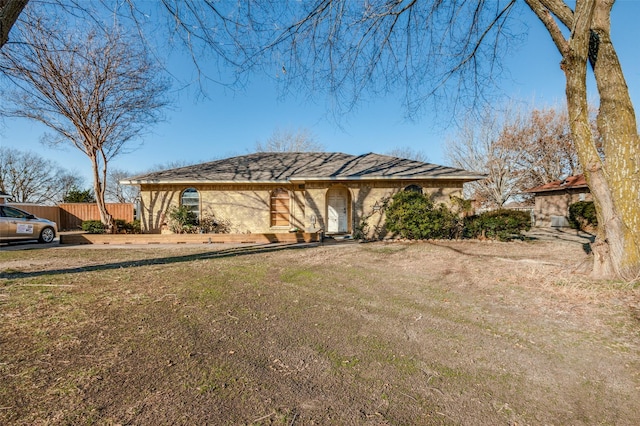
(96, 90)
(117, 192)
(478, 146)
(30, 178)
(517, 149)
(546, 151)
(287, 140)
(76, 195)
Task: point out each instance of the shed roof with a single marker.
(273, 167)
(572, 182)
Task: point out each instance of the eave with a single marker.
(300, 180)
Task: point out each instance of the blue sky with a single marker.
(230, 123)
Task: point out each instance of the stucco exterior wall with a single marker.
(247, 207)
(155, 201)
(556, 203)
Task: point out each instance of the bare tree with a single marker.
(478, 146)
(544, 144)
(516, 149)
(96, 90)
(408, 153)
(30, 178)
(117, 192)
(287, 140)
(68, 182)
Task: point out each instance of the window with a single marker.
(13, 213)
(414, 188)
(280, 207)
(191, 199)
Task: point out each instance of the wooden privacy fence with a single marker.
(69, 216)
(73, 214)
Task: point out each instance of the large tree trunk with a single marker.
(619, 132)
(9, 12)
(614, 181)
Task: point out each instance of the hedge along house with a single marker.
(266, 193)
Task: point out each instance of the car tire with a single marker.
(47, 235)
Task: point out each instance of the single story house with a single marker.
(274, 192)
(552, 200)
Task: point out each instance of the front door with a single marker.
(337, 211)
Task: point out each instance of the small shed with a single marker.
(552, 200)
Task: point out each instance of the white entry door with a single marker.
(337, 211)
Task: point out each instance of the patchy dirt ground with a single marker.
(478, 333)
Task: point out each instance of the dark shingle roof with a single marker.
(303, 166)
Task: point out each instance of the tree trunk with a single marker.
(99, 190)
(9, 12)
(619, 132)
(615, 181)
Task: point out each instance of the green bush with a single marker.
(582, 215)
(97, 227)
(182, 220)
(414, 216)
(501, 224)
(128, 227)
(93, 227)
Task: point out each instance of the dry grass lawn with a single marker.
(384, 333)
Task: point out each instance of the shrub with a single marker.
(182, 220)
(93, 227)
(97, 227)
(501, 224)
(210, 224)
(582, 215)
(128, 227)
(414, 216)
(136, 227)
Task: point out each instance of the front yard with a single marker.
(382, 333)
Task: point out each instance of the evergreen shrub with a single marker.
(93, 227)
(414, 216)
(503, 225)
(582, 215)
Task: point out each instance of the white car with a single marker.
(16, 224)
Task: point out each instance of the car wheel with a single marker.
(47, 235)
